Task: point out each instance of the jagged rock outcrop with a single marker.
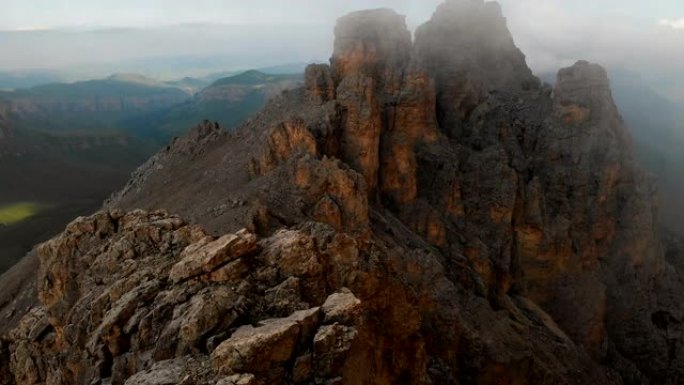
(146, 298)
(370, 51)
(424, 213)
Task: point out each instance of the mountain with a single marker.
(94, 134)
(228, 101)
(189, 85)
(63, 151)
(656, 124)
(62, 174)
(142, 107)
(95, 104)
(419, 212)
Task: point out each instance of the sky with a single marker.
(47, 14)
(41, 14)
(644, 36)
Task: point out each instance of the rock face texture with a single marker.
(146, 288)
(420, 212)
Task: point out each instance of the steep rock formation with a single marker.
(370, 51)
(469, 51)
(423, 214)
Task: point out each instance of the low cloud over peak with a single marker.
(672, 23)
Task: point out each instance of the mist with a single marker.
(173, 38)
(555, 34)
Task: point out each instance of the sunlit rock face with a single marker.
(420, 212)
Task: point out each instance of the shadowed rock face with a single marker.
(371, 50)
(470, 53)
(423, 213)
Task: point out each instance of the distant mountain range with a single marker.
(66, 146)
(89, 105)
(228, 101)
(137, 105)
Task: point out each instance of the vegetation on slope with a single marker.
(17, 212)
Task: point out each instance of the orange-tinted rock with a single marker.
(287, 140)
(490, 229)
(370, 42)
(339, 194)
(206, 257)
(370, 50)
(319, 83)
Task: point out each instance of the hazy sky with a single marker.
(33, 14)
(38, 14)
(641, 35)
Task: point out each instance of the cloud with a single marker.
(555, 33)
(672, 23)
(552, 33)
(17, 14)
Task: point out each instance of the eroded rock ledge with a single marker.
(144, 298)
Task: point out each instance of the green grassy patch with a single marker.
(17, 212)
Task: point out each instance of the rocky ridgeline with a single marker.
(420, 212)
(146, 298)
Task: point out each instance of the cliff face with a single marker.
(423, 213)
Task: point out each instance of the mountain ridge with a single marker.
(419, 212)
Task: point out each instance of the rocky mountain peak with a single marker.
(584, 73)
(582, 88)
(420, 213)
(469, 50)
(472, 36)
(369, 41)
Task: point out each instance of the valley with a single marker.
(67, 147)
(17, 212)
